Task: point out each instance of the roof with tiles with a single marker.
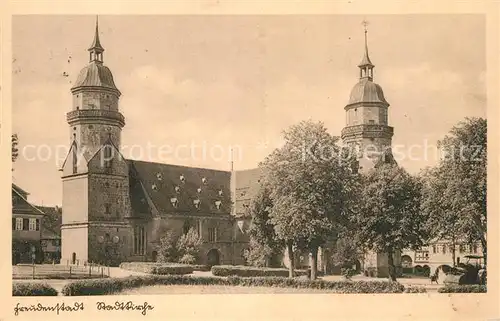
(20, 204)
(20, 190)
(178, 189)
(247, 186)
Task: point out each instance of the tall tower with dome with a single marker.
(95, 176)
(367, 129)
(367, 124)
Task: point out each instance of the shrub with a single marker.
(187, 259)
(32, 289)
(189, 246)
(158, 268)
(249, 271)
(415, 289)
(470, 288)
(173, 269)
(348, 273)
(110, 286)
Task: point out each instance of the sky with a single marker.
(222, 82)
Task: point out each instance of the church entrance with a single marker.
(213, 257)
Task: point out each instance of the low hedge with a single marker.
(469, 288)
(110, 286)
(158, 268)
(32, 289)
(415, 289)
(250, 271)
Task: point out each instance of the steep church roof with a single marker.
(177, 189)
(247, 186)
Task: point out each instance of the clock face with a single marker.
(116, 239)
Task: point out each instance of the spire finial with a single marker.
(366, 65)
(96, 49)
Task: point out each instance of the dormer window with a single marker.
(154, 187)
(220, 193)
(218, 204)
(204, 180)
(199, 190)
(182, 178)
(177, 189)
(159, 176)
(197, 203)
(174, 202)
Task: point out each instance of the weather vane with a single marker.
(365, 24)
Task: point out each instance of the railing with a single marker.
(59, 271)
(387, 130)
(91, 113)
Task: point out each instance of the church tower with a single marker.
(367, 129)
(95, 175)
(367, 126)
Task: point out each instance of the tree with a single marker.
(265, 246)
(15, 151)
(167, 251)
(443, 220)
(346, 252)
(189, 246)
(461, 175)
(309, 179)
(390, 218)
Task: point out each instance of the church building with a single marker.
(116, 209)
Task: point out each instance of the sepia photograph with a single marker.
(248, 154)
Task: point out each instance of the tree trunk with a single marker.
(314, 262)
(392, 268)
(291, 260)
(453, 255)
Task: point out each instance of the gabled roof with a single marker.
(21, 206)
(178, 189)
(247, 187)
(19, 189)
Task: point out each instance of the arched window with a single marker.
(107, 156)
(75, 158)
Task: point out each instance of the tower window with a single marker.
(107, 156)
(75, 156)
(77, 108)
(74, 128)
(107, 208)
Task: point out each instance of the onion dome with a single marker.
(366, 91)
(95, 74)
